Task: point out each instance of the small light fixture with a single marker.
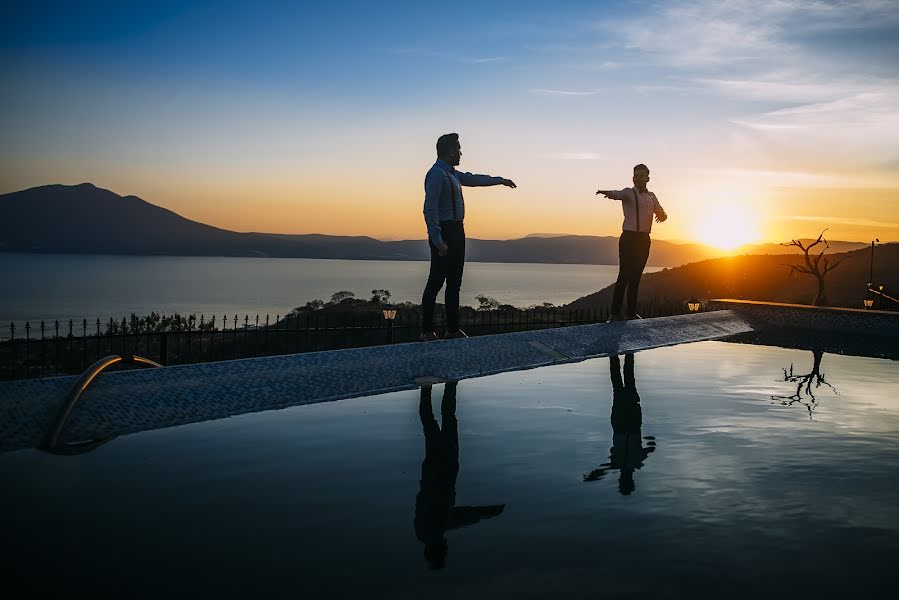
(693, 305)
(869, 302)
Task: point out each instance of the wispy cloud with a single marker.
(571, 156)
(786, 179)
(783, 87)
(766, 48)
(606, 65)
(705, 33)
(816, 70)
(696, 33)
(876, 106)
(418, 51)
(421, 52)
(844, 221)
(545, 92)
(647, 89)
(480, 61)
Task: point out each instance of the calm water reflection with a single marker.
(435, 506)
(627, 453)
(745, 497)
(806, 385)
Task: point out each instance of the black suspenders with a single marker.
(637, 206)
(449, 180)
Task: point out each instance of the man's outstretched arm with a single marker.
(472, 180)
(611, 194)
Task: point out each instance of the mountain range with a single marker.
(85, 219)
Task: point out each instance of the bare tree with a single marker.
(816, 265)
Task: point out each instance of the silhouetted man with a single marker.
(639, 206)
(444, 214)
(627, 453)
(435, 509)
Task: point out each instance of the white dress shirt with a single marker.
(648, 203)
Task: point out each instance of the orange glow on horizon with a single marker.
(726, 228)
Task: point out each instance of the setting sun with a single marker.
(726, 228)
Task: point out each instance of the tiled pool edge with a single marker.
(132, 401)
(816, 318)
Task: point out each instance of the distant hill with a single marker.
(89, 220)
(763, 277)
(835, 247)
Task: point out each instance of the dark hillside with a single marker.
(764, 277)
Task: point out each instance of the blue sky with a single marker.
(771, 119)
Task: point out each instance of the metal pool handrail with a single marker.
(51, 440)
(879, 292)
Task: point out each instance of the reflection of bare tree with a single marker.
(805, 384)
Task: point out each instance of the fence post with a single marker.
(246, 330)
(189, 331)
(12, 351)
(98, 338)
(27, 349)
(43, 350)
(83, 343)
(69, 353)
(110, 333)
(277, 334)
(265, 338)
(256, 334)
(56, 347)
(316, 327)
(124, 338)
(163, 344)
(234, 338)
(201, 331)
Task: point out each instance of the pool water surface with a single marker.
(707, 468)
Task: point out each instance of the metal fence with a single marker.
(45, 349)
(60, 348)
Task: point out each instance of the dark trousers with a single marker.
(449, 269)
(633, 251)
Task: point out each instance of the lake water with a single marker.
(71, 286)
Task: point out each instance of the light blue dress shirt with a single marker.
(443, 189)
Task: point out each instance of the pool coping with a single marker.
(139, 400)
(817, 318)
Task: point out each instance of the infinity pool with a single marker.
(712, 468)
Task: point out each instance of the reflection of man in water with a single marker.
(435, 510)
(627, 453)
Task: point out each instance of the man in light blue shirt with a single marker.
(444, 213)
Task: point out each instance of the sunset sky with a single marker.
(759, 121)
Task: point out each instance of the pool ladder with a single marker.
(50, 443)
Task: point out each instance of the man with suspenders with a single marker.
(639, 206)
(444, 213)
